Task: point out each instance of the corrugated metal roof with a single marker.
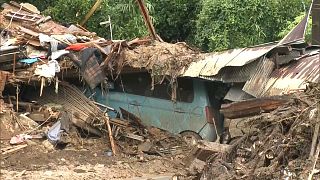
(234, 74)
(294, 76)
(214, 62)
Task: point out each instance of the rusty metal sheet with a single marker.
(214, 62)
(294, 77)
(297, 33)
(255, 86)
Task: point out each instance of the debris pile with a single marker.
(33, 47)
(281, 144)
(37, 51)
(53, 113)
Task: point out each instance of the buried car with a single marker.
(194, 114)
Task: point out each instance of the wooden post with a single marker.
(316, 22)
(42, 84)
(113, 148)
(14, 64)
(17, 98)
(147, 19)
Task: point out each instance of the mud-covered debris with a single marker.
(281, 144)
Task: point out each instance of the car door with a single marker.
(157, 109)
(188, 113)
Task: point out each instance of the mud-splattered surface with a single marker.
(37, 162)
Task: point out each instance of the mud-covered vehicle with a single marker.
(194, 114)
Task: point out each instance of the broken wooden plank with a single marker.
(251, 107)
(119, 122)
(43, 20)
(134, 136)
(22, 17)
(86, 126)
(28, 31)
(213, 146)
(13, 149)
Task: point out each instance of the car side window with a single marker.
(136, 83)
(185, 91)
(162, 91)
(140, 84)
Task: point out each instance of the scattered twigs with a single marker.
(315, 155)
(12, 149)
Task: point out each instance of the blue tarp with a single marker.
(29, 61)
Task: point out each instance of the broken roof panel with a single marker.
(294, 76)
(255, 86)
(235, 74)
(214, 62)
(297, 33)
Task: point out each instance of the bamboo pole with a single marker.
(92, 10)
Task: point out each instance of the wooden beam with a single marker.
(147, 19)
(251, 107)
(316, 22)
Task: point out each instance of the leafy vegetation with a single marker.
(208, 24)
(224, 24)
(175, 20)
(291, 24)
(125, 16)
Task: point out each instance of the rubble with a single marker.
(281, 144)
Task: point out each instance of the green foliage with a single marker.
(291, 24)
(40, 4)
(126, 19)
(225, 24)
(175, 20)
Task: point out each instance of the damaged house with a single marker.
(170, 86)
(145, 95)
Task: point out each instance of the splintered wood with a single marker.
(12, 149)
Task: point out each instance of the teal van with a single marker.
(194, 114)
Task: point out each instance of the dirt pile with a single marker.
(282, 144)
